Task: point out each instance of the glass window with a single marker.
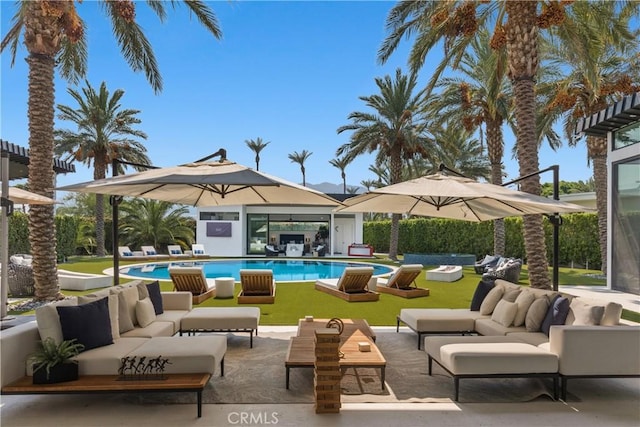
(626, 136)
(625, 269)
(257, 233)
(219, 216)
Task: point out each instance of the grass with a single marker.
(296, 300)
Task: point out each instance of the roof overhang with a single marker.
(19, 161)
(612, 118)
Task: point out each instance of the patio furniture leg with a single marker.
(222, 367)
(287, 377)
(430, 364)
(555, 387)
(563, 387)
(456, 385)
(199, 403)
(382, 376)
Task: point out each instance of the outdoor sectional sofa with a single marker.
(557, 336)
(136, 328)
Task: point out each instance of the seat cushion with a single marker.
(199, 354)
(106, 360)
(222, 318)
(439, 319)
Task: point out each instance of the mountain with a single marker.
(329, 188)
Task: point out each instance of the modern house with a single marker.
(306, 227)
(620, 124)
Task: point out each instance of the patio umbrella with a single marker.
(203, 183)
(454, 197)
(24, 197)
(207, 184)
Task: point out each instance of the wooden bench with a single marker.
(112, 384)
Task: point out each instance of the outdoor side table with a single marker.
(224, 287)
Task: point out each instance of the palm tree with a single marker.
(342, 163)
(300, 158)
(157, 223)
(393, 130)
(54, 35)
(480, 100)
(103, 130)
(257, 146)
(456, 22)
(600, 69)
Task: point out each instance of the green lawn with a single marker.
(296, 300)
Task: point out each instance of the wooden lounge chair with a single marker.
(258, 287)
(151, 253)
(175, 251)
(192, 279)
(402, 283)
(128, 254)
(353, 285)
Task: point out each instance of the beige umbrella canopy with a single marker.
(24, 197)
(454, 197)
(207, 184)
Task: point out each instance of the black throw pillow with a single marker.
(88, 323)
(155, 296)
(556, 314)
(481, 292)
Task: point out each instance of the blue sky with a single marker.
(288, 72)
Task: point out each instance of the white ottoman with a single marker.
(193, 355)
(479, 357)
(224, 287)
(221, 319)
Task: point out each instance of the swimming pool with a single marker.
(283, 270)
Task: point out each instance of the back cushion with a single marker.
(524, 301)
(113, 311)
(480, 294)
(504, 313)
(88, 324)
(127, 298)
(556, 314)
(491, 300)
(585, 313)
(536, 314)
(49, 321)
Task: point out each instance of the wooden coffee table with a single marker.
(301, 353)
(307, 328)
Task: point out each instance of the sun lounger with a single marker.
(151, 253)
(175, 251)
(258, 287)
(402, 282)
(198, 251)
(128, 254)
(352, 286)
(192, 279)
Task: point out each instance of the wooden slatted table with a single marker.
(301, 354)
(111, 384)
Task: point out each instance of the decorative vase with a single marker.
(57, 374)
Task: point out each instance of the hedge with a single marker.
(578, 237)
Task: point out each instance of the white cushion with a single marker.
(586, 314)
(128, 297)
(504, 313)
(49, 321)
(490, 301)
(145, 312)
(524, 301)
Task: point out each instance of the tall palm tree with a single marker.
(342, 163)
(54, 35)
(480, 100)
(602, 67)
(257, 146)
(455, 23)
(300, 158)
(102, 134)
(393, 130)
(157, 223)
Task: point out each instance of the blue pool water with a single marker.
(283, 270)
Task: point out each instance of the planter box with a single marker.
(57, 374)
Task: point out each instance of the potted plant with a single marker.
(53, 363)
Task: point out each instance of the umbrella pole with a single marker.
(4, 235)
(556, 219)
(114, 228)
